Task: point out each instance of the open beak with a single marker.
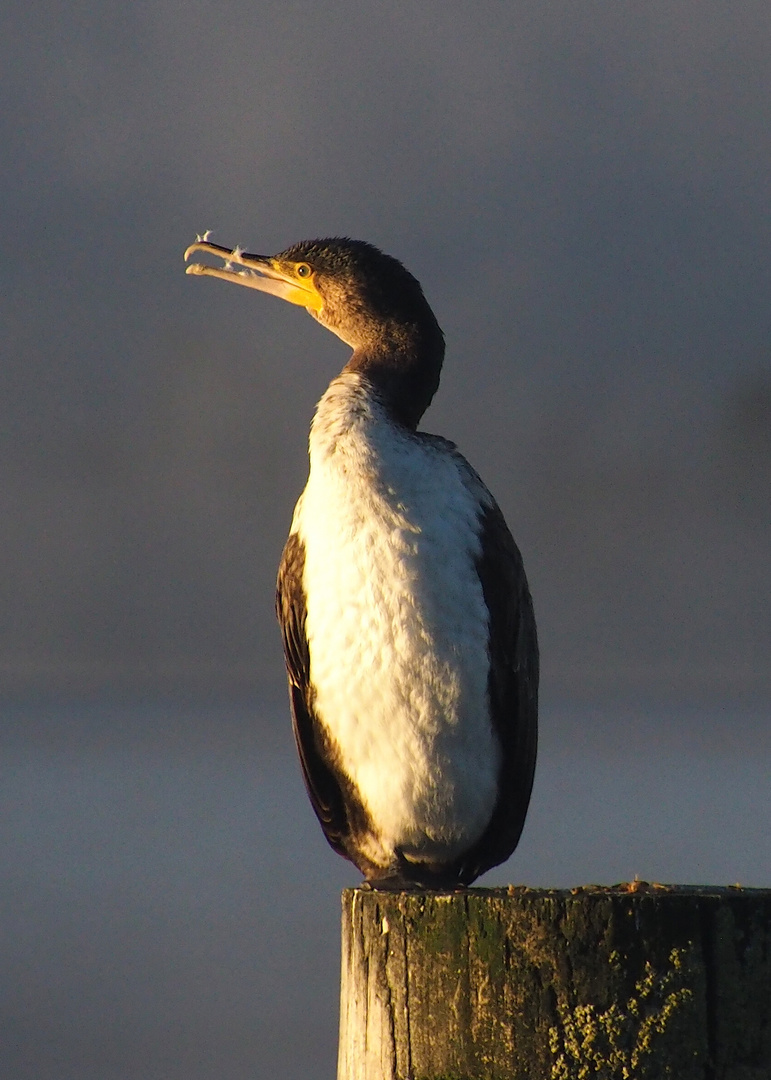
(259, 272)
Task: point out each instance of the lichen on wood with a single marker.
(626, 1040)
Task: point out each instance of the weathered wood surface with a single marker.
(626, 983)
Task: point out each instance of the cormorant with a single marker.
(407, 623)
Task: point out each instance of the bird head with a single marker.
(362, 295)
(365, 297)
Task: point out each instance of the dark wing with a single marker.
(320, 780)
(512, 688)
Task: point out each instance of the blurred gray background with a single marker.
(583, 190)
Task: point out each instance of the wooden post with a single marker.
(633, 982)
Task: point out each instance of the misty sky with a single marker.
(582, 189)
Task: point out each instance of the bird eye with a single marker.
(303, 270)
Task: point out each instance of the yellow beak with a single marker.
(259, 272)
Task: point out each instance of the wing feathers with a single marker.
(321, 783)
(332, 795)
(512, 689)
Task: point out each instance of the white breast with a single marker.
(397, 625)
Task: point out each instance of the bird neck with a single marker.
(403, 368)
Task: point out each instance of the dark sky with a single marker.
(583, 190)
